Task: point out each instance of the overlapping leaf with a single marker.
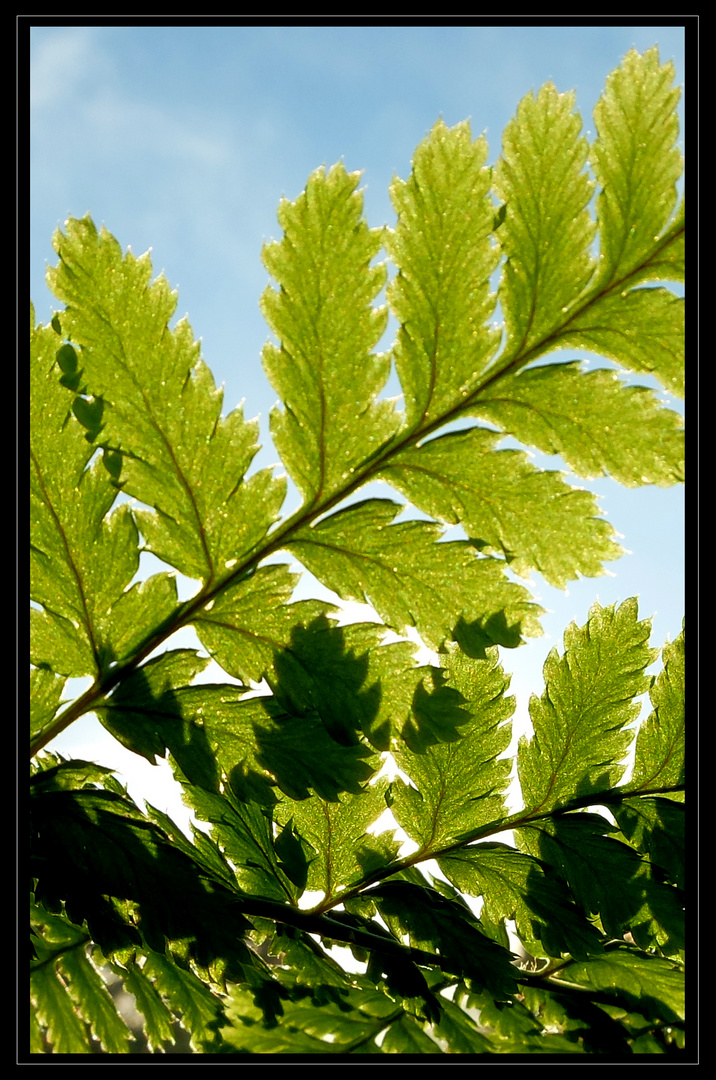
(324, 370)
(579, 738)
(447, 928)
(413, 581)
(297, 739)
(244, 833)
(516, 886)
(214, 728)
(647, 984)
(247, 624)
(460, 1031)
(657, 827)
(161, 410)
(377, 689)
(609, 879)
(137, 865)
(458, 786)
(513, 1028)
(138, 715)
(347, 1025)
(336, 831)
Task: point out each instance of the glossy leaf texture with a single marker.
(372, 866)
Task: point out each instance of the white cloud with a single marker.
(61, 61)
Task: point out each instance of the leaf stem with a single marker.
(515, 821)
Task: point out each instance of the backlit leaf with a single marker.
(608, 878)
(548, 230)
(579, 721)
(659, 760)
(82, 557)
(45, 692)
(444, 251)
(324, 371)
(300, 911)
(459, 785)
(529, 516)
(410, 579)
(645, 983)
(161, 411)
(336, 831)
(515, 886)
(589, 418)
(635, 160)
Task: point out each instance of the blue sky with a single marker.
(184, 139)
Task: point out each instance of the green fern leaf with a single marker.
(609, 879)
(341, 853)
(656, 827)
(200, 1009)
(579, 737)
(635, 161)
(646, 984)
(82, 557)
(407, 1037)
(530, 517)
(548, 231)
(448, 929)
(324, 371)
(409, 579)
(638, 165)
(158, 1020)
(161, 411)
(660, 744)
(460, 1031)
(62, 966)
(443, 248)
(643, 330)
(251, 621)
(45, 693)
(210, 729)
(132, 712)
(244, 833)
(331, 1027)
(589, 418)
(55, 1011)
(376, 688)
(211, 926)
(258, 744)
(516, 886)
(458, 786)
(91, 997)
